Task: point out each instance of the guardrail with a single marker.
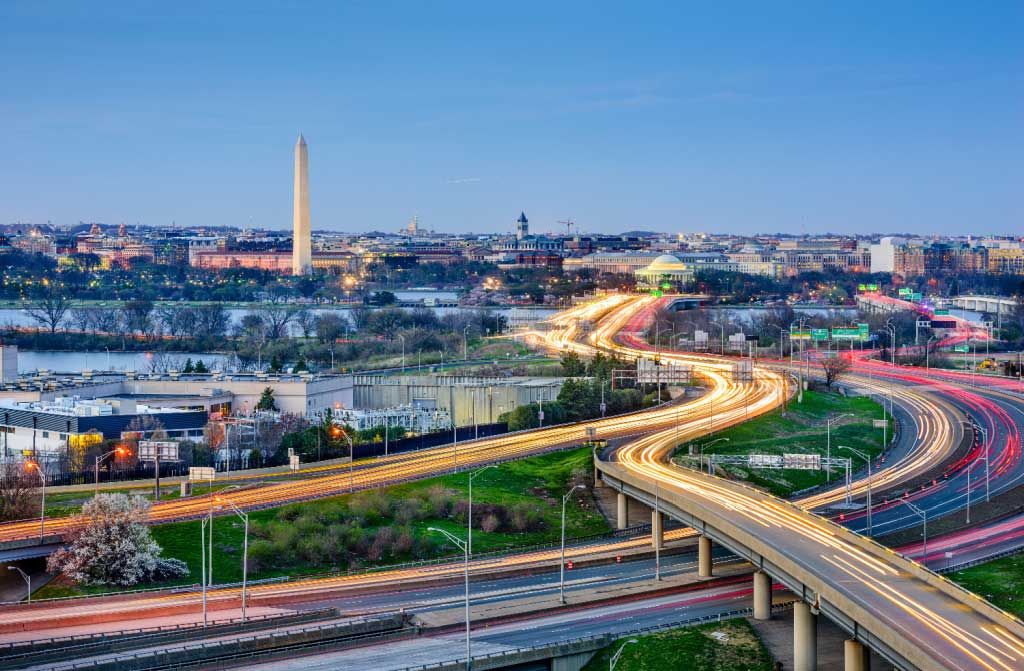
(76, 647)
(605, 639)
(5, 648)
(201, 654)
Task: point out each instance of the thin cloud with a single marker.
(464, 180)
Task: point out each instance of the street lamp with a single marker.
(402, 338)
(828, 441)
(465, 343)
(705, 446)
(99, 460)
(34, 465)
(469, 524)
(868, 460)
(561, 566)
(924, 517)
(927, 351)
(615, 658)
(245, 542)
(28, 581)
(464, 546)
(337, 431)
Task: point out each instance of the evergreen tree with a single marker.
(301, 364)
(572, 365)
(201, 367)
(267, 401)
(275, 364)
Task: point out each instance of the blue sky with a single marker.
(736, 117)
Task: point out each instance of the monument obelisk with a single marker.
(302, 254)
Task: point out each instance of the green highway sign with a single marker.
(819, 334)
(915, 298)
(906, 291)
(872, 287)
(942, 313)
(961, 348)
(862, 287)
(799, 335)
(858, 332)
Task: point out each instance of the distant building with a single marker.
(666, 269)
(48, 430)
(522, 226)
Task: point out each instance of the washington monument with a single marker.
(302, 255)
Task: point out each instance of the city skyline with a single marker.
(742, 120)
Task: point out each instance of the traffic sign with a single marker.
(200, 473)
(819, 334)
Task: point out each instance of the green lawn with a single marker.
(801, 431)
(312, 537)
(1001, 581)
(723, 646)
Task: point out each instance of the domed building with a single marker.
(666, 269)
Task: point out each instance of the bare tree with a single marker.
(138, 316)
(18, 491)
(835, 367)
(50, 307)
(306, 319)
(81, 319)
(211, 320)
(276, 319)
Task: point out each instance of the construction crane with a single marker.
(569, 223)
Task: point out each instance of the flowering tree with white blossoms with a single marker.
(111, 545)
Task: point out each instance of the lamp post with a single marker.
(924, 517)
(99, 460)
(615, 658)
(561, 566)
(245, 543)
(867, 459)
(28, 581)
(465, 343)
(927, 352)
(782, 340)
(34, 465)
(890, 329)
(469, 524)
(464, 546)
(987, 450)
(828, 440)
(721, 326)
(202, 553)
(337, 431)
(402, 338)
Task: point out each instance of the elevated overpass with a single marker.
(991, 304)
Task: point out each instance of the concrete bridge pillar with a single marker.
(703, 557)
(856, 657)
(622, 508)
(657, 530)
(805, 638)
(762, 596)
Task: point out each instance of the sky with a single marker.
(725, 117)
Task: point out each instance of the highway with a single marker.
(724, 404)
(469, 454)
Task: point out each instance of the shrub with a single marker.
(490, 523)
(525, 517)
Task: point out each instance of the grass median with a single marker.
(515, 505)
(732, 645)
(1001, 581)
(801, 431)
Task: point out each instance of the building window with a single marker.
(46, 434)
